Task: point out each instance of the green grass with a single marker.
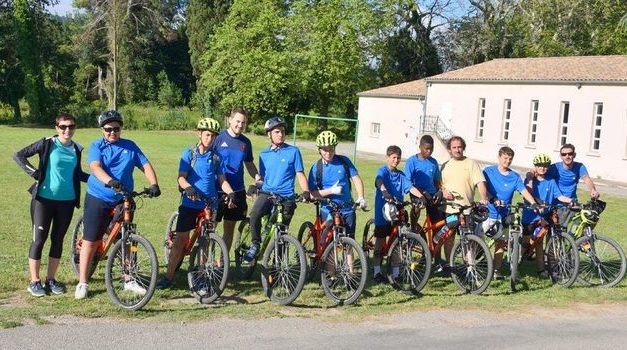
(243, 299)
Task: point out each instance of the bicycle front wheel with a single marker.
(513, 253)
(471, 264)
(75, 249)
(561, 259)
(131, 273)
(343, 271)
(208, 268)
(601, 261)
(367, 240)
(242, 244)
(307, 240)
(412, 257)
(285, 269)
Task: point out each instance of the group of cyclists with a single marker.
(214, 168)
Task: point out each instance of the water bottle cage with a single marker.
(340, 231)
(281, 229)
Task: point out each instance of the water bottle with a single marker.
(451, 220)
(536, 232)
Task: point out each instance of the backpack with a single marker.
(319, 167)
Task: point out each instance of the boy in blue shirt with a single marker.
(328, 177)
(199, 170)
(543, 190)
(279, 166)
(390, 183)
(501, 183)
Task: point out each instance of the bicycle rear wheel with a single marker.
(307, 239)
(601, 261)
(343, 271)
(131, 273)
(513, 254)
(170, 234)
(413, 258)
(561, 259)
(241, 246)
(367, 240)
(285, 269)
(471, 264)
(75, 249)
(208, 268)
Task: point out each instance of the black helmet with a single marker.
(110, 116)
(273, 123)
(479, 213)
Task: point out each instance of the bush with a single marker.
(169, 94)
(152, 118)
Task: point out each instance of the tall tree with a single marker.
(11, 75)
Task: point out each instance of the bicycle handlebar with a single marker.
(335, 206)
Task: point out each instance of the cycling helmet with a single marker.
(326, 139)
(494, 231)
(390, 212)
(541, 158)
(209, 124)
(273, 123)
(109, 116)
(480, 213)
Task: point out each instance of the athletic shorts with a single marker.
(233, 214)
(96, 218)
(186, 220)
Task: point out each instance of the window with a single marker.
(533, 122)
(375, 129)
(563, 127)
(507, 115)
(480, 119)
(597, 120)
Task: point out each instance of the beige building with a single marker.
(532, 105)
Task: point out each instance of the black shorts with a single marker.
(186, 220)
(233, 214)
(96, 218)
(382, 231)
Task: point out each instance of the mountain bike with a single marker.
(602, 260)
(561, 259)
(208, 269)
(403, 249)
(284, 260)
(341, 261)
(470, 260)
(130, 257)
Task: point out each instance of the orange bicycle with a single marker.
(341, 260)
(470, 260)
(404, 249)
(208, 269)
(132, 258)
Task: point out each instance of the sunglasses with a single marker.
(113, 129)
(567, 154)
(64, 127)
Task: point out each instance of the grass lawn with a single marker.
(242, 299)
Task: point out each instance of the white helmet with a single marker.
(390, 212)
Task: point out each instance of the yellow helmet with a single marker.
(542, 158)
(326, 139)
(209, 124)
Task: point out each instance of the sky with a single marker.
(62, 8)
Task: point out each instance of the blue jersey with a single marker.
(118, 160)
(233, 151)
(278, 167)
(333, 172)
(396, 183)
(424, 173)
(203, 175)
(567, 179)
(502, 187)
(547, 192)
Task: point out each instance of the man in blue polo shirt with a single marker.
(568, 172)
(330, 177)
(279, 165)
(501, 183)
(200, 169)
(111, 160)
(236, 152)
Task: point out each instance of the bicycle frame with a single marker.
(204, 224)
(335, 230)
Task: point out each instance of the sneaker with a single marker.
(164, 283)
(133, 286)
(81, 291)
(379, 278)
(498, 275)
(35, 289)
(250, 255)
(394, 282)
(55, 287)
(202, 289)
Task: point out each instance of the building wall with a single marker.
(460, 103)
(398, 120)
